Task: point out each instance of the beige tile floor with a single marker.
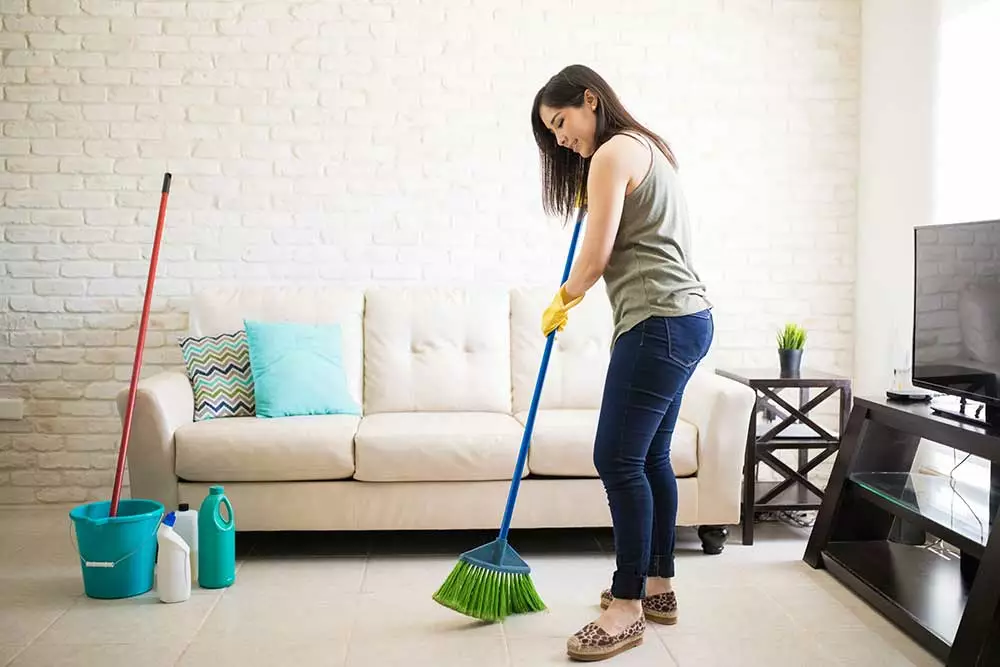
(365, 600)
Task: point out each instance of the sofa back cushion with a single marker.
(222, 309)
(579, 361)
(430, 348)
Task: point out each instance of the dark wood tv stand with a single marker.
(949, 606)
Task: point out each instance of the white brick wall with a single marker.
(373, 142)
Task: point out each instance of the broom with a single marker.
(492, 582)
(139, 346)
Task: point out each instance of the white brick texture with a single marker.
(363, 142)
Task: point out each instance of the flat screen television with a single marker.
(956, 316)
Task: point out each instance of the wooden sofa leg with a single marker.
(713, 538)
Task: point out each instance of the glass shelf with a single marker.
(957, 507)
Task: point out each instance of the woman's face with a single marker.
(574, 127)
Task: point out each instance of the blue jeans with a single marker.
(649, 369)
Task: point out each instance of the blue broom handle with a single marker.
(530, 424)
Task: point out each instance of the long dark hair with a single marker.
(564, 172)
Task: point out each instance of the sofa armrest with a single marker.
(163, 403)
(721, 409)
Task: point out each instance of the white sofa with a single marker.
(445, 378)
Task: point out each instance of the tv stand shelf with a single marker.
(951, 606)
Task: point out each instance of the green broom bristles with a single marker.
(486, 594)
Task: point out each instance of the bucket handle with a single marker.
(105, 563)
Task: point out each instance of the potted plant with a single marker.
(791, 341)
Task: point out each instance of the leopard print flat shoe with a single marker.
(592, 643)
(661, 608)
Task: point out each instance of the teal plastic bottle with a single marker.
(216, 541)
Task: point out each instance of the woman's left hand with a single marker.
(555, 316)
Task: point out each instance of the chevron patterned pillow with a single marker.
(219, 370)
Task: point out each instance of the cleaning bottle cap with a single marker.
(215, 490)
(169, 519)
(183, 507)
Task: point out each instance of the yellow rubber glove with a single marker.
(554, 318)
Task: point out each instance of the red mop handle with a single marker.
(139, 345)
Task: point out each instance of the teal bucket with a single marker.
(117, 555)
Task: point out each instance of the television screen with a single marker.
(956, 310)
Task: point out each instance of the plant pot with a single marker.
(791, 362)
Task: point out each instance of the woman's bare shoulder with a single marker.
(623, 154)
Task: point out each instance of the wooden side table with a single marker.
(794, 491)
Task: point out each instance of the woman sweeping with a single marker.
(638, 240)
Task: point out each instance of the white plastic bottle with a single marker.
(187, 527)
(173, 568)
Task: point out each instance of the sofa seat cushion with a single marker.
(437, 446)
(252, 449)
(562, 444)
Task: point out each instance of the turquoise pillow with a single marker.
(298, 370)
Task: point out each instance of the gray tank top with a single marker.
(650, 271)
